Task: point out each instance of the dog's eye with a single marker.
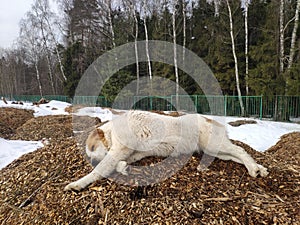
(93, 148)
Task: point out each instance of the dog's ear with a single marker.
(102, 137)
(100, 133)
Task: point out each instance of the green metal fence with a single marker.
(162, 103)
(36, 98)
(212, 105)
(281, 108)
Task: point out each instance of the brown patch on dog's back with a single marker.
(213, 122)
(115, 112)
(173, 113)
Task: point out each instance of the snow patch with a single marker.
(260, 136)
(11, 150)
(101, 113)
(51, 108)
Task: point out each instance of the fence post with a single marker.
(196, 103)
(151, 102)
(134, 106)
(225, 105)
(261, 108)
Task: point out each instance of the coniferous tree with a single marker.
(264, 74)
(74, 67)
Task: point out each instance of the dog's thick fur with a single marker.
(138, 134)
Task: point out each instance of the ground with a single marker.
(31, 187)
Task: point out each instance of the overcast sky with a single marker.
(11, 12)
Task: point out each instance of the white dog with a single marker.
(138, 134)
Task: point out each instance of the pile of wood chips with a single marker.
(31, 187)
(11, 119)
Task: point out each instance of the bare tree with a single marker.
(110, 21)
(246, 47)
(217, 7)
(146, 37)
(136, 51)
(131, 7)
(38, 20)
(281, 36)
(14, 77)
(31, 42)
(184, 28)
(294, 37)
(8, 76)
(47, 16)
(65, 7)
(235, 59)
(175, 3)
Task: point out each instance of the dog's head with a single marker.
(96, 146)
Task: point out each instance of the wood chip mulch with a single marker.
(31, 187)
(11, 119)
(238, 123)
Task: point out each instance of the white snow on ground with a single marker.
(11, 150)
(103, 114)
(51, 108)
(260, 136)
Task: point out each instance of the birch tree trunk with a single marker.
(175, 52)
(235, 60)
(111, 27)
(184, 29)
(294, 37)
(281, 37)
(48, 58)
(217, 6)
(147, 39)
(46, 14)
(37, 18)
(30, 40)
(38, 76)
(246, 47)
(50, 72)
(61, 67)
(133, 9)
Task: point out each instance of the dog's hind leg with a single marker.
(229, 151)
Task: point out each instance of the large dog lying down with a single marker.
(138, 134)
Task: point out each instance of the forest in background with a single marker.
(251, 47)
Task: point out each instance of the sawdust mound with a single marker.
(45, 127)
(54, 127)
(287, 149)
(31, 191)
(238, 123)
(11, 119)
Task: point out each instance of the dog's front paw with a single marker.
(263, 171)
(122, 168)
(74, 186)
(202, 167)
